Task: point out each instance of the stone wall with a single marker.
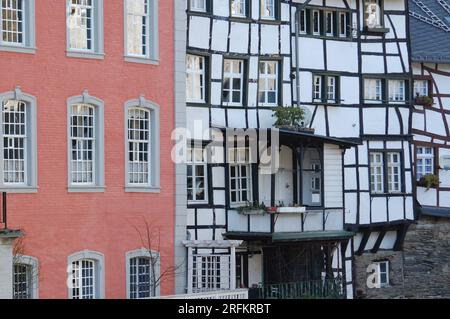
(421, 270)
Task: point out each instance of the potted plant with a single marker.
(428, 181)
(291, 118)
(423, 100)
(252, 208)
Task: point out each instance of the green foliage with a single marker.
(251, 206)
(424, 100)
(429, 180)
(288, 116)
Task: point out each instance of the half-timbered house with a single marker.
(342, 186)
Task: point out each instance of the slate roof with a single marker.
(430, 43)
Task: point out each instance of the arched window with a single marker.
(85, 144)
(141, 145)
(143, 271)
(86, 275)
(18, 160)
(25, 277)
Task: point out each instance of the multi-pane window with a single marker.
(331, 88)
(372, 13)
(233, 82)
(195, 78)
(12, 20)
(268, 9)
(393, 173)
(238, 8)
(268, 83)
(138, 146)
(81, 24)
(424, 162)
(383, 273)
(240, 175)
(22, 281)
(373, 90)
(342, 24)
(389, 173)
(376, 172)
(211, 272)
(141, 282)
(316, 22)
(14, 117)
(84, 279)
(82, 141)
(303, 23)
(196, 175)
(317, 93)
(420, 88)
(138, 27)
(329, 23)
(198, 5)
(396, 90)
(325, 88)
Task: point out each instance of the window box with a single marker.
(291, 210)
(252, 209)
(376, 30)
(291, 118)
(423, 100)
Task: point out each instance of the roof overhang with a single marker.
(304, 137)
(435, 211)
(281, 237)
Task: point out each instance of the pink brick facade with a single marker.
(58, 223)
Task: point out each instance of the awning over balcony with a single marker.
(291, 236)
(293, 137)
(435, 211)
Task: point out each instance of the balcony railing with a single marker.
(220, 294)
(316, 289)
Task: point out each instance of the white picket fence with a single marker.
(221, 294)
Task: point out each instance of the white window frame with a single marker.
(239, 8)
(265, 78)
(317, 88)
(331, 89)
(27, 45)
(153, 185)
(155, 260)
(397, 91)
(198, 5)
(327, 14)
(151, 38)
(97, 46)
(268, 9)
(379, 272)
(98, 184)
(376, 19)
(394, 169)
(424, 154)
(32, 265)
(231, 75)
(29, 185)
(240, 158)
(319, 22)
(343, 28)
(376, 178)
(421, 88)
(193, 161)
(98, 260)
(303, 24)
(194, 73)
(373, 90)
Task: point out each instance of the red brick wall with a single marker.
(58, 223)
